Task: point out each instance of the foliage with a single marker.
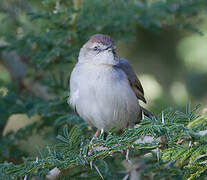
(174, 147)
(46, 37)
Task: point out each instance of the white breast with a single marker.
(102, 96)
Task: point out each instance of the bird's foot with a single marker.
(98, 132)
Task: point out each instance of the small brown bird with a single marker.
(104, 89)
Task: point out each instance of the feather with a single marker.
(133, 80)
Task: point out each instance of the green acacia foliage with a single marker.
(176, 151)
(40, 41)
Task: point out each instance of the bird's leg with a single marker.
(127, 126)
(98, 132)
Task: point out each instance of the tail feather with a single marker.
(146, 113)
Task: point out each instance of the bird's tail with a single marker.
(146, 113)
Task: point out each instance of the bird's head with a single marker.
(100, 49)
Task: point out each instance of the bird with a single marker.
(104, 89)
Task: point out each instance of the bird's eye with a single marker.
(95, 48)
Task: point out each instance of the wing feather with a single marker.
(133, 80)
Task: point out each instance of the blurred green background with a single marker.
(39, 42)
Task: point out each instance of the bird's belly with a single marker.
(107, 102)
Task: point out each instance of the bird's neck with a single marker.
(109, 61)
(98, 63)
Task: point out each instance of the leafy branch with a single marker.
(76, 151)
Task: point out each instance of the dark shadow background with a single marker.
(39, 44)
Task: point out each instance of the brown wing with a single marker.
(133, 80)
